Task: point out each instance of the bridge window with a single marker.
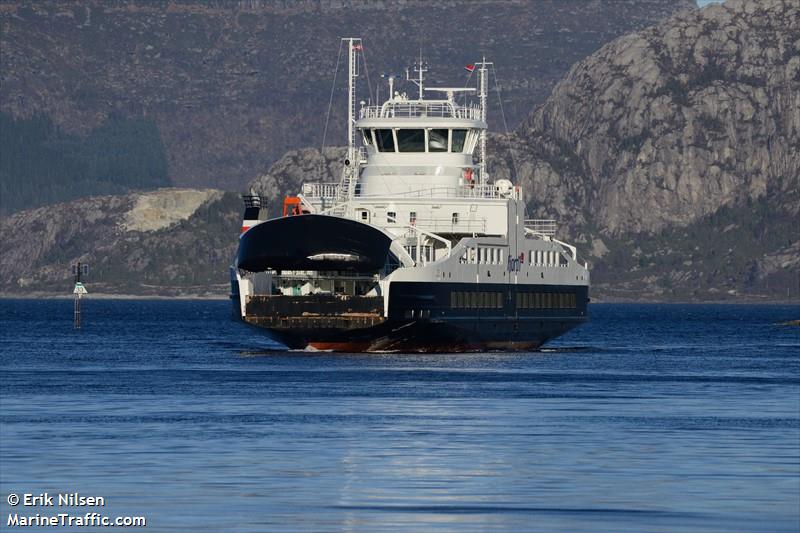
(367, 137)
(459, 136)
(391, 216)
(437, 140)
(411, 140)
(385, 140)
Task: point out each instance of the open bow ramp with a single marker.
(313, 242)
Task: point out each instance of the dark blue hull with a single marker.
(427, 317)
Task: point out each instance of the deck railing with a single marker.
(320, 190)
(541, 226)
(329, 191)
(442, 225)
(420, 109)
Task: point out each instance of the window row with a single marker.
(391, 217)
(424, 253)
(546, 300)
(487, 255)
(525, 300)
(419, 140)
(484, 255)
(476, 300)
(546, 257)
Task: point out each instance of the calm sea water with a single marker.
(649, 418)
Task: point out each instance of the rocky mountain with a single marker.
(670, 156)
(669, 124)
(232, 85)
(165, 242)
(679, 146)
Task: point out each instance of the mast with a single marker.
(347, 187)
(353, 45)
(483, 94)
(420, 69)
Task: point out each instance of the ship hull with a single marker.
(421, 318)
(429, 337)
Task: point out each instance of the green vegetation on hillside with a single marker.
(740, 250)
(40, 164)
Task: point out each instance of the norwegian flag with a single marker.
(469, 68)
(357, 46)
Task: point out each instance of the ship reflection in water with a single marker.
(648, 418)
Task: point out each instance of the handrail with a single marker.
(437, 224)
(529, 231)
(329, 190)
(340, 207)
(571, 248)
(406, 109)
(419, 241)
(320, 190)
(315, 275)
(541, 226)
(446, 225)
(306, 203)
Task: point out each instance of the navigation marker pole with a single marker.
(79, 290)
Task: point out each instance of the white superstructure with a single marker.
(420, 174)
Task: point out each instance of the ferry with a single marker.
(416, 248)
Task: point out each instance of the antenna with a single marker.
(420, 68)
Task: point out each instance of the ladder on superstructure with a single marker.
(347, 185)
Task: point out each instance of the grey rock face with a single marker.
(296, 167)
(665, 126)
(164, 242)
(234, 85)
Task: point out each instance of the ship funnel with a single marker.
(253, 212)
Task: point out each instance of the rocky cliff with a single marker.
(670, 156)
(234, 85)
(165, 242)
(678, 148)
(667, 125)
